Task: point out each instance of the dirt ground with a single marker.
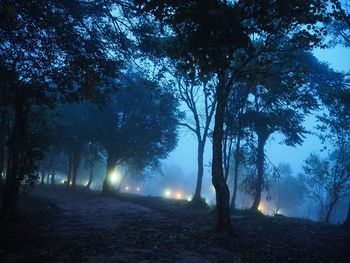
(56, 225)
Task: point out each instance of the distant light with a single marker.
(207, 201)
(279, 212)
(189, 198)
(178, 195)
(138, 189)
(126, 188)
(114, 177)
(167, 193)
(62, 181)
(70, 183)
(261, 208)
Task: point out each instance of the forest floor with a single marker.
(81, 226)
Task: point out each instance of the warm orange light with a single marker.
(138, 189)
(261, 208)
(126, 188)
(178, 195)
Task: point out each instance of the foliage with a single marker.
(328, 179)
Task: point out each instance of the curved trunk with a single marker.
(223, 223)
(235, 179)
(108, 187)
(12, 181)
(260, 167)
(197, 194)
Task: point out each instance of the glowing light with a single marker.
(279, 212)
(167, 193)
(70, 183)
(62, 181)
(261, 208)
(207, 201)
(178, 195)
(138, 189)
(126, 188)
(189, 198)
(114, 178)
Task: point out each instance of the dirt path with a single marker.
(94, 228)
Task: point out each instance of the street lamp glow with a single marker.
(189, 198)
(114, 177)
(138, 189)
(167, 193)
(126, 188)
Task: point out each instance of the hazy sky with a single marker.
(185, 154)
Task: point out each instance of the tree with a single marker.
(50, 51)
(137, 128)
(76, 131)
(216, 39)
(328, 179)
(335, 124)
(193, 94)
(281, 95)
(92, 153)
(234, 134)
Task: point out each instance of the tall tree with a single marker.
(200, 99)
(137, 127)
(335, 126)
(216, 38)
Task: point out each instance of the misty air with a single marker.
(174, 131)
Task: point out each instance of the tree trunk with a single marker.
(12, 181)
(70, 164)
(347, 220)
(260, 167)
(330, 210)
(108, 187)
(121, 182)
(42, 176)
(197, 194)
(75, 165)
(3, 128)
(90, 177)
(235, 179)
(53, 178)
(223, 223)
